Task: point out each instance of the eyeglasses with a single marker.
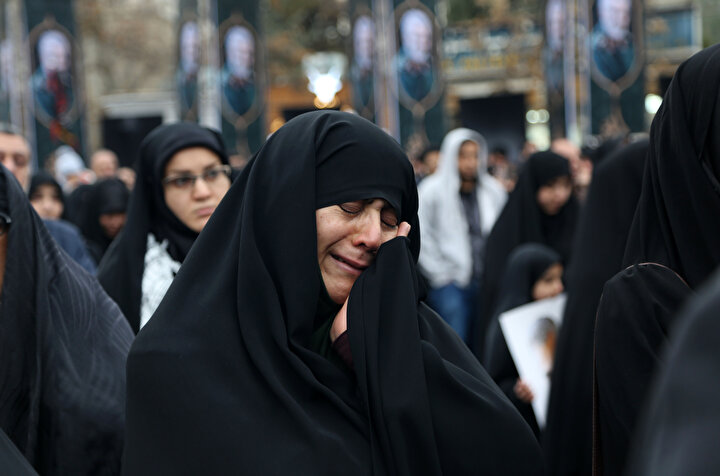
(5, 222)
(187, 181)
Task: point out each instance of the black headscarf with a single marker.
(42, 177)
(62, 355)
(676, 226)
(682, 425)
(525, 266)
(635, 314)
(523, 221)
(121, 269)
(106, 196)
(676, 218)
(599, 246)
(224, 378)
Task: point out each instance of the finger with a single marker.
(404, 229)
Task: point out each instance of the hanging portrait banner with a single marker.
(554, 65)
(419, 86)
(363, 63)
(242, 76)
(188, 61)
(617, 59)
(55, 80)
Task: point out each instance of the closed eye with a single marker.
(352, 207)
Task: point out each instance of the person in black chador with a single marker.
(294, 339)
(540, 209)
(63, 344)
(672, 248)
(598, 250)
(533, 272)
(183, 173)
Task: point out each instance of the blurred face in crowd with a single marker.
(112, 223)
(104, 164)
(348, 236)
(47, 202)
(468, 161)
(550, 283)
(614, 16)
(195, 182)
(15, 155)
(552, 196)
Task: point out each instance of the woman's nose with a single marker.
(369, 232)
(201, 189)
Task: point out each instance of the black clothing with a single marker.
(62, 355)
(477, 240)
(526, 264)
(121, 269)
(598, 250)
(635, 313)
(68, 237)
(676, 226)
(106, 196)
(12, 462)
(523, 221)
(224, 378)
(681, 426)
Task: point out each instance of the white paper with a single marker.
(530, 332)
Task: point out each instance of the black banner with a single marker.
(554, 65)
(617, 66)
(242, 76)
(55, 81)
(420, 87)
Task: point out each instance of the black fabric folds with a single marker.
(681, 428)
(627, 353)
(223, 379)
(62, 353)
(522, 221)
(598, 251)
(676, 218)
(675, 226)
(525, 266)
(121, 269)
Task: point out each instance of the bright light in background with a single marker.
(540, 116)
(324, 71)
(652, 103)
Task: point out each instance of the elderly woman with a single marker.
(294, 340)
(183, 173)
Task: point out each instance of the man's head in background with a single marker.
(15, 153)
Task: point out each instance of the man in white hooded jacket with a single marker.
(458, 207)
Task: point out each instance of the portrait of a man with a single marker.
(361, 69)
(52, 79)
(555, 34)
(188, 66)
(415, 56)
(238, 75)
(613, 51)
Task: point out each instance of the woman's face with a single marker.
(189, 196)
(112, 223)
(552, 196)
(550, 283)
(47, 202)
(348, 237)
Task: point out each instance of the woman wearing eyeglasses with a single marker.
(182, 174)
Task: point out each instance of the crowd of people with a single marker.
(336, 308)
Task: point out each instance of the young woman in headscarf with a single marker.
(533, 272)
(540, 209)
(63, 344)
(106, 215)
(600, 241)
(182, 174)
(294, 340)
(672, 248)
(47, 199)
